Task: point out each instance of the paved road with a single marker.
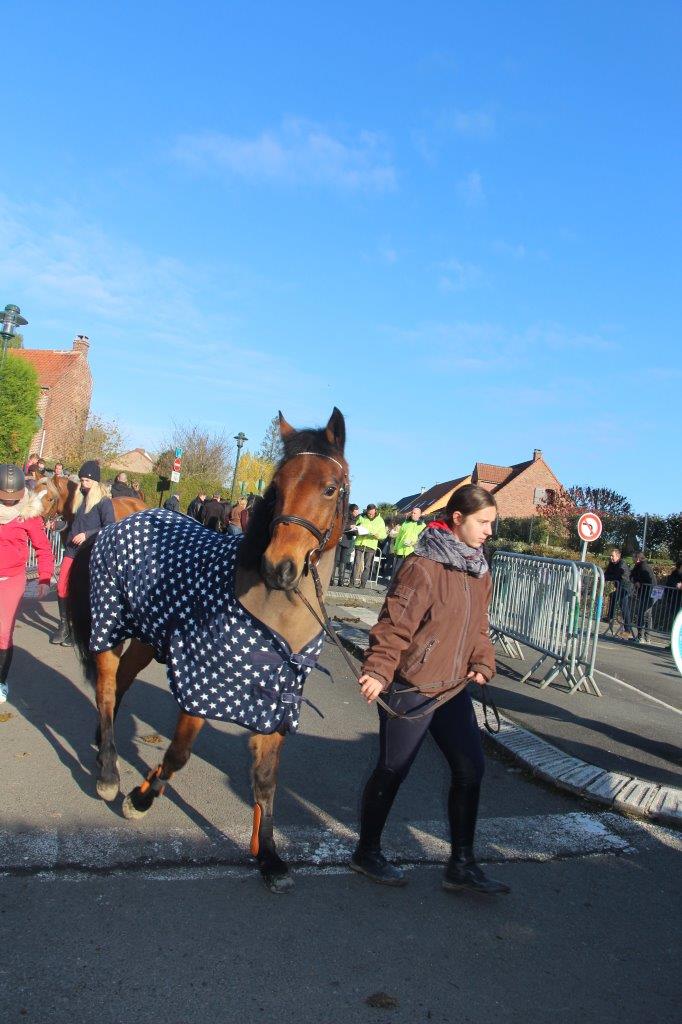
(110, 922)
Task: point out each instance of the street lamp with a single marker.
(11, 319)
(241, 439)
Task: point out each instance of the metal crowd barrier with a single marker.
(643, 611)
(57, 550)
(552, 605)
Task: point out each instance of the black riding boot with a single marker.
(462, 871)
(63, 634)
(377, 800)
(5, 662)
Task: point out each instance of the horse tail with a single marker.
(78, 607)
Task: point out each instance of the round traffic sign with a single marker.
(589, 526)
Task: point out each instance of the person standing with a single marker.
(430, 641)
(406, 538)
(212, 513)
(172, 504)
(344, 548)
(19, 524)
(644, 578)
(93, 511)
(618, 572)
(234, 519)
(120, 488)
(371, 529)
(195, 506)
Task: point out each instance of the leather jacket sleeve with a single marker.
(406, 603)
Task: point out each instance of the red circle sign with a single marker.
(176, 465)
(589, 526)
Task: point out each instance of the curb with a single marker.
(626, 794)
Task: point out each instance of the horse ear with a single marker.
(336, 430)
(285, 429)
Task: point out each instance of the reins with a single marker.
(325, 622)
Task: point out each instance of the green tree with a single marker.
(600, 500)
(19, 393)
(271, 446)
(203, 454)
(102, 441)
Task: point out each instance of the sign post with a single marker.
(177, 465)
(589, 529)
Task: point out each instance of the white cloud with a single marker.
(456, 276)
(298, 152)
(470, 189)
(516, 250)
(476, 124)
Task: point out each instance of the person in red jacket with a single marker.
(19, 523)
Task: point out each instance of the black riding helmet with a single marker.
(12, 482)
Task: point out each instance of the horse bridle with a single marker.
(340, 509)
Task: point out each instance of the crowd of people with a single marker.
(635, 596)
(220, 514)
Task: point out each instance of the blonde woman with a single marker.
(93, 510)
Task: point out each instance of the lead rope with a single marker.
(441, 699)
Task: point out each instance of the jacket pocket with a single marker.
(422, 656)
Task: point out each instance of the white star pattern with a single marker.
(169, 582)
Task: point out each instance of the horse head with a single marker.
(306, 502)
(55, 495)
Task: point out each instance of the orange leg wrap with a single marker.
(154, 774)
(255, 842)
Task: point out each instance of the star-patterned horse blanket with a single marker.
(166, 580)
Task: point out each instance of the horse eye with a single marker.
(329, 491)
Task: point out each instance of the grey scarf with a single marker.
(443, 546)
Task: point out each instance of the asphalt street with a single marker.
(166, 919)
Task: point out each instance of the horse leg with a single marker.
(135, 658)
(266, 751)
(108, 781)
(140, 799)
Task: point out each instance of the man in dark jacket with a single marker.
(195, 506)
(644, 578)
(121, 488)
(345, 546)
(618, 572)
(172, 504)
(212, 513)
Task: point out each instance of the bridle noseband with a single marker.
(341, 508)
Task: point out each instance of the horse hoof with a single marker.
(107, 790)
(130, 811)
(279, 884)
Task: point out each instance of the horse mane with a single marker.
(257, 536)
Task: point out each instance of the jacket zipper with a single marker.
(466, 627)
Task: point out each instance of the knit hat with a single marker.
(90, 470)
(12, 482)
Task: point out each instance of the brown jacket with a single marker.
(433, 628)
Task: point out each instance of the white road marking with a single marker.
(642, 692)
(526, 838)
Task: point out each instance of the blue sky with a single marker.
(459, 222)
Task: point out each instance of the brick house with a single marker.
(517, 488)
(136, 461)
(65, 392)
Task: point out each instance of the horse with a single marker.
(284, 559)
(57, 494)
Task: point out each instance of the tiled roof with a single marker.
(49, 365)
(433, 494)
(485, 473)
(405, 502)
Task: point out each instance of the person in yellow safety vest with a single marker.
(406, 538)
(371, 529)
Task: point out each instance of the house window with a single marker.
(541, 495)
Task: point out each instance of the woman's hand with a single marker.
(370, 688)
(78, 539)
(42, 591)
(477, 677)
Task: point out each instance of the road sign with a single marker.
(589, 527)
(176, 465)
(178, 453)
(175, 477)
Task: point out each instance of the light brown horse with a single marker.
(57, 494)
(299, 521)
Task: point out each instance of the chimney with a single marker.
(81, 343)
(537, 454)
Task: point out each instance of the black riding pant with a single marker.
(453, 727)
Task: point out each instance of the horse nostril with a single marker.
(281, 576)
(286, 572)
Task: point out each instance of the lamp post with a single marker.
(11, 319)
(241, 439)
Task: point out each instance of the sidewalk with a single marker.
(621, 749)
